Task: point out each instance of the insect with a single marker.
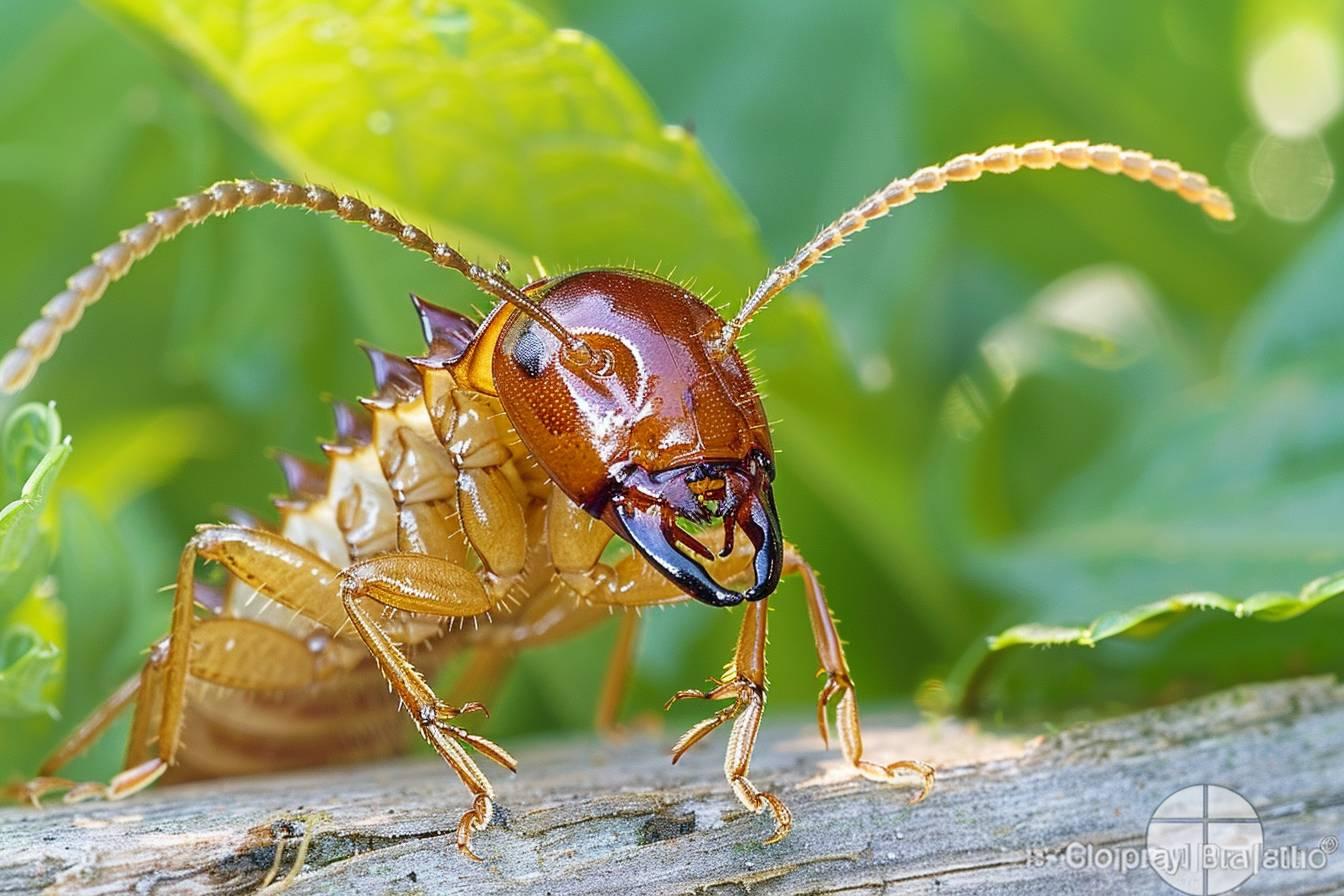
(489, 476)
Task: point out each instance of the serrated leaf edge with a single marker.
(1267, 606)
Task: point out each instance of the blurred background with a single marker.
(1041, 398)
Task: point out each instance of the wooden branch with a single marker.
(590, 819)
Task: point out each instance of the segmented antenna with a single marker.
(37, 343)
(1041, 155)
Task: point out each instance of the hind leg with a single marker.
(74, 744)
(236, 653)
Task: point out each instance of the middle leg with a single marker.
(419, 583)
(608, 716)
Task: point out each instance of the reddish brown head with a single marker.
(653, 429)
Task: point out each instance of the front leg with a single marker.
(744, 684)
(831, 654)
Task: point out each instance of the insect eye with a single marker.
(529, 351)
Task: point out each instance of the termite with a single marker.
(489, 477)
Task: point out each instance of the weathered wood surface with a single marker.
(593, 819)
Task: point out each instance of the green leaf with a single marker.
(33, 449)
(30, 433)
(1146, 619)
(32, 658)
(19, 518)
(32, 627)
(1227, 485)
(474, 117)
(1158, 651)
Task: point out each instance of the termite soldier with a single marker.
(489, 478)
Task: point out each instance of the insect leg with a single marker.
(488, 504)
(92, 727)
(74, 744)
(236, 653)
(173, 661)
(576, 540)
(744, 684)
(241, 654)
(136, 777)
(148, 707)
(618, 675)
(283, 571)
(839, 683)
(576, 543)
(419, 583)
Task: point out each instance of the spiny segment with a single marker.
(305, 479)
(447, 333)
(1040, 155)
(353, 425)
(396, 380)
(39, 341)
(309, 481)
(393, 376)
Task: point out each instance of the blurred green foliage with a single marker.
(1032, 399)
(32, 623)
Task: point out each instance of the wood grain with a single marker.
(585, 818)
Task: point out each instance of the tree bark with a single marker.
(588, 818)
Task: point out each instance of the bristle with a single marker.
(353, 426)
(393, 375)
(305, 479)
(446, 332)
(334, 450)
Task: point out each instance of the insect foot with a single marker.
(34, 790)
(443, 711)
(747, 708)
(447, 740)
(851, 741)
(124, 784)
(438, 715)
